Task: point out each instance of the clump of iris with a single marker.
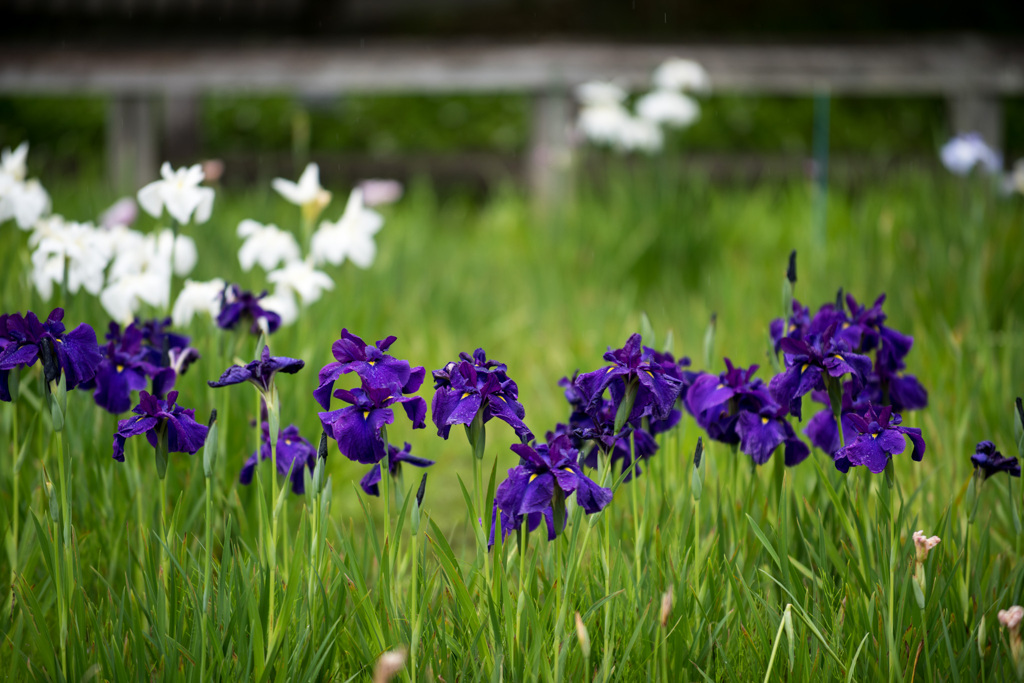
(537, 488)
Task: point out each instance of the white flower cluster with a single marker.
(23, 200)
(125, 268)
(296, 279)
(604, 118)
(966, 152)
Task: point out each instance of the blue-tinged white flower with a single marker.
(668, 107)
(65, 249)
(123, 298)
(13, 162)
(351, 237)
(197, 298)
(603, 123)
(122, 212)
(639, 135)
(378, 191)
(599, 93)
(23, 200)
(301, 278)
(266, 245)
(141, 270)
(180, 193)
(1015, 180)
(965, 151)
(681, 74)
(307, 193)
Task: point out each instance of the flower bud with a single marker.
(321, 451)
(924, 544)
(389, 664)
(583, 636)
(210, 447)
(51, 494)
(1010, 619)
(666, 607)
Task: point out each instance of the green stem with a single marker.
(414, 608)
(165, 560)
(893, 653)
(64, 568)
(207, 570)
(606, 660)
(385, 488)
(637, 535)
(15, 472)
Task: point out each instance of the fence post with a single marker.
(550, 152)
(977, 112)
(181, 127)
(131, 141)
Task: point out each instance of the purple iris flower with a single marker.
(358, 427)
(880, 436)
(125, 368)
(989, 461)
(716, 401)
(542, 472)
(158, 418)
(74, 353)
(475, 384)
(260, 372)
(371, 363)
(241, 306)
(395, 459)
(625, 457)
(294, 454)
(760, 434)
(808, 361)
(656, 389)
(160, 339)
(795, 327)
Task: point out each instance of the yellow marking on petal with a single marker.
(609, 369)
(287, 442)
(567, 469)
(60, 341)
(840, 358)
(804, 367)
(120, 368)
(366, 414)
(875, 436)
(371, 363)
(532, 477)
(764, 420)
(720, 386)
(464, 396)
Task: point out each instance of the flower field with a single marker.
(483, 440)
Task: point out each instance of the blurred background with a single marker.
(473, 93)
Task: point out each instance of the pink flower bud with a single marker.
(924, 544)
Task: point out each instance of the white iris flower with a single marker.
(180, 193)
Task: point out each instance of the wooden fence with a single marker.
(973, 75)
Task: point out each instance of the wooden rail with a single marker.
(972, 74)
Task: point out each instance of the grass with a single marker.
(775, 574)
